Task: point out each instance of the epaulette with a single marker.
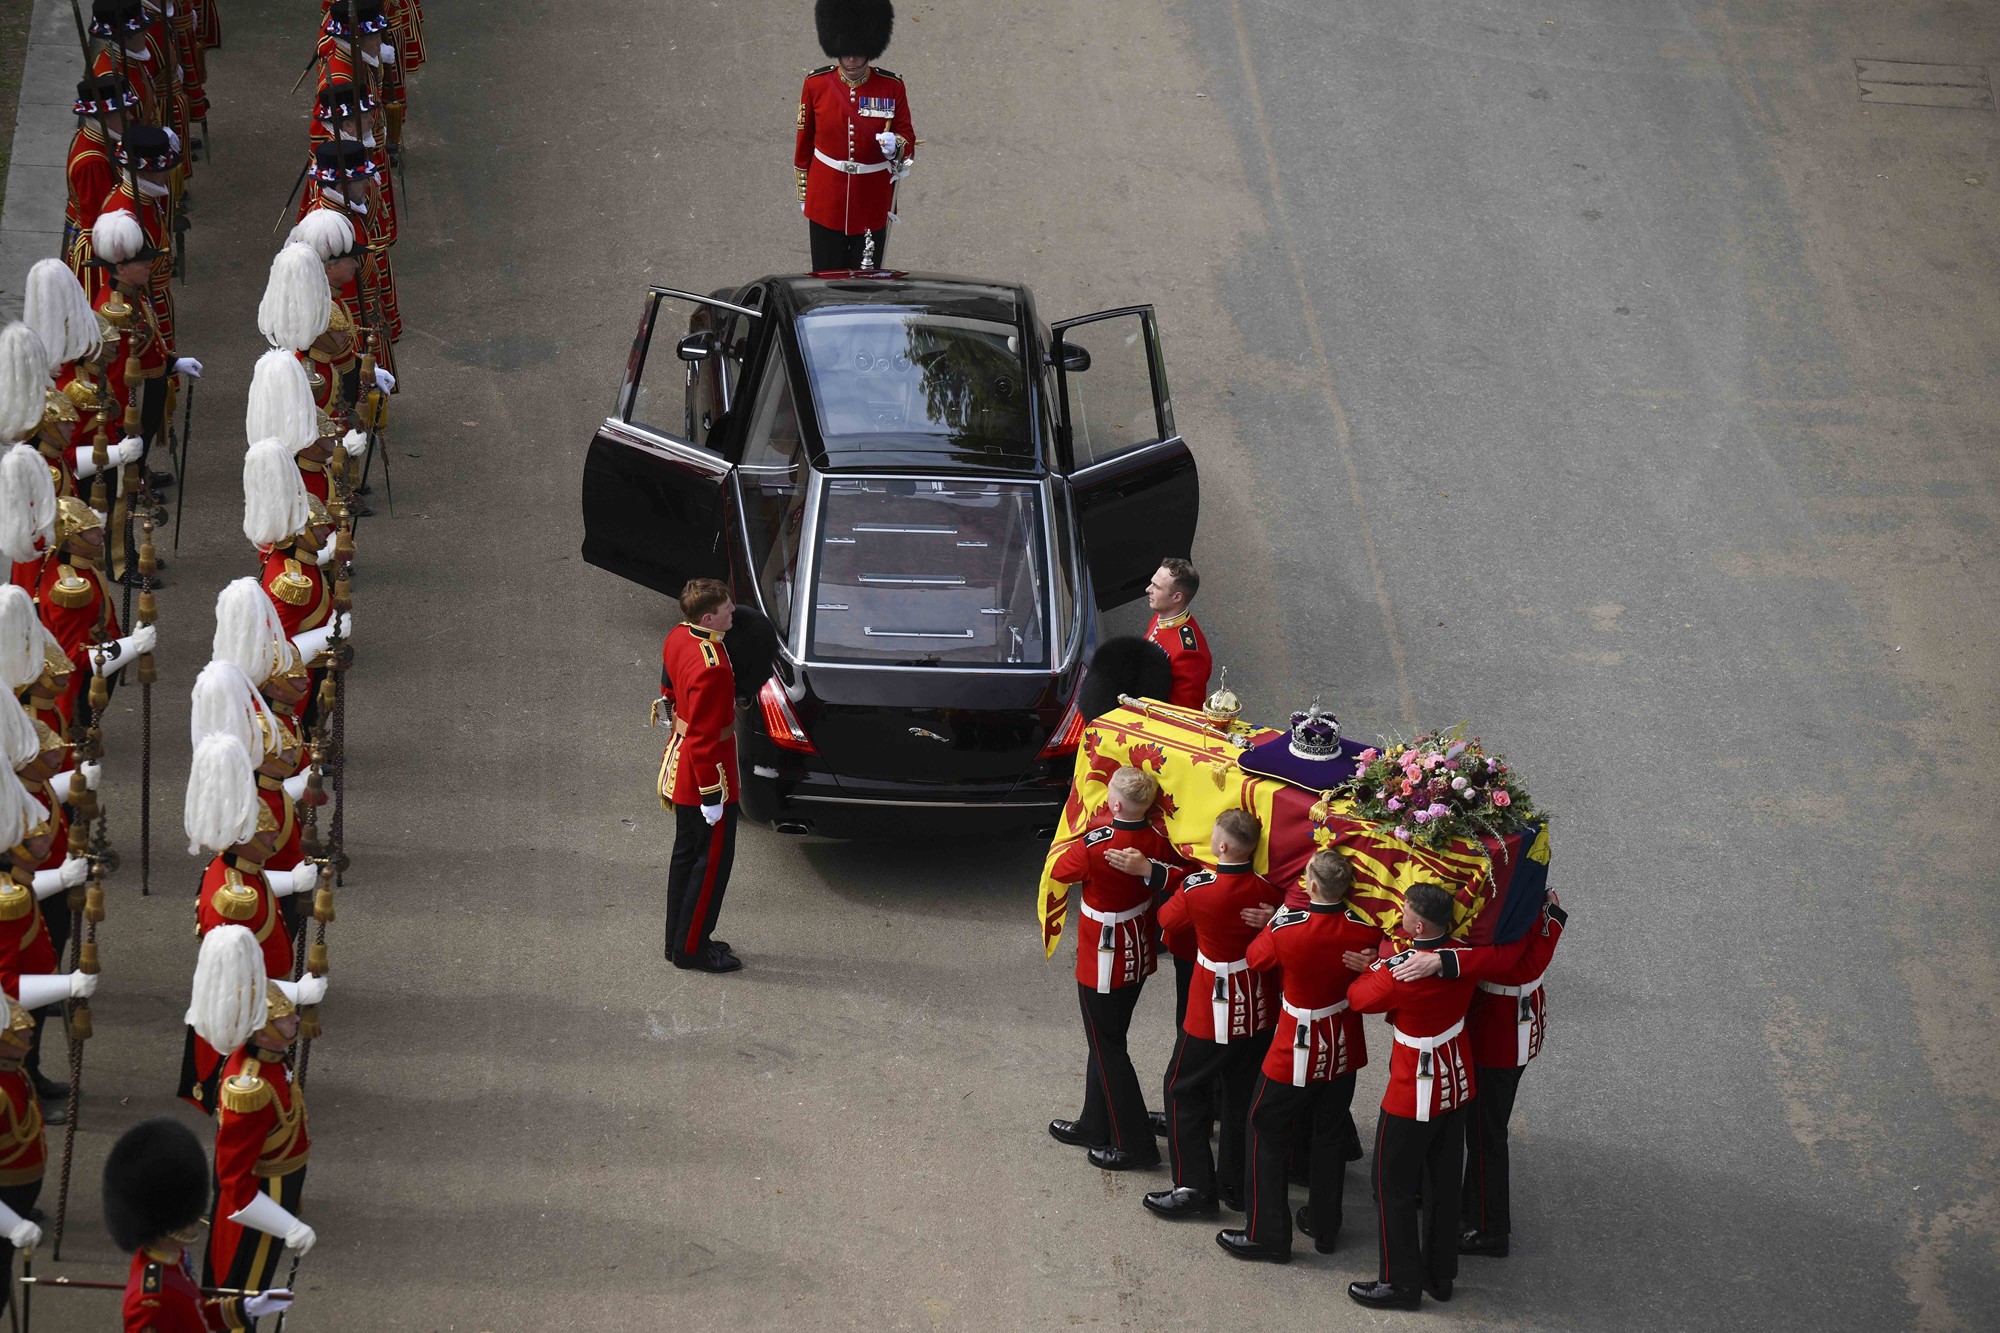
(1291, 916)
(888, 74)
(150, 1283)
(1188, 642)
(246, 1092)
(823, 69)
(292, 587)
(339, 321)
(233, 899)
(72, 592)
(1357, 918)
(1390, 961)
(1097, 835)
(710, 655)
(1197, 879)
(16, 901)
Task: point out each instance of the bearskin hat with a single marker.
(752, 645)
(854, 27)
(1125, 665)
(156, 1182)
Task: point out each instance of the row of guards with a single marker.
(89, 382)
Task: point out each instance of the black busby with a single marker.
(1125, 665)
(854, 27)
(367, 14)
(145, 148)
(108, 18)
(342, 160)
(156, 1182)
(752, 645)
(340, 101)
(104, 95)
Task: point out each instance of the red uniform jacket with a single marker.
(147, 73)
(24, 1149)
(75, 603)
(144, 326)
(1187, 653)
(699, 767)
(1435, 1074)
(838, 125)
(1305, 948)
(374, 289)
(25, 948)
(235, 893)
(152, 215)
(161, 1296)
(91, 176)
(1117, 928)
(298, 589)
(1210, 905)
(260, 1135)
(1509, 1014)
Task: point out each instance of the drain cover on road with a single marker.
(1912, 84)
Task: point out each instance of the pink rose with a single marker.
(1433, 760)
(1502, 799)
(1423, 816)
(1438, 810)
(1369, 755)
(1395, 804)
(1403, 832)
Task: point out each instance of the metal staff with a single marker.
(181, 469)
(291, 1280)
(134, 477)
(79, 1284)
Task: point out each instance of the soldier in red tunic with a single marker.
(76, 602)
(698, 774)
(1116, 950)
(1420, 1137)
(1231, 1011)
(102, 103)
(1173, 627)
(24, 1149)
(854, 144)
(344, 179)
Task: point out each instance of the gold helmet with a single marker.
(18, 1019)
(73, 516)
(267, 822)
(46, 734)
(277, 1004)
(58, 407)
(82, 394)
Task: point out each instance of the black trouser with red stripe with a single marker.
(697, 877)
(251, 1262)
(1207, 1078)
(1484, 1203)
(1114, 1110)
(834, 250)
(1408, 1154)
(1278, 1112)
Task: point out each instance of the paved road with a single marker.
(1606, 373)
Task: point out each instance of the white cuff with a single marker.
(48, 883)
(312, 643)
(285, 883)
(264, 1213)
(325, 556)
(295, 787)
(43, 989)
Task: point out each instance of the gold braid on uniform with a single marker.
(246, 1092)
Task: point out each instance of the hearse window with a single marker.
(688, 400)
(774, 495)
(882, 374)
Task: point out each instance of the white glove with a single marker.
(384, 380)
(712, 813)
(125, 451)
(308, 989)
(264, 1213)
(275, 1301)
(46, 988)
(72, 872)
(285, 883)
(887, 141)
(355, 442)
(25, 1234)
(131, 648)
(188, 366)
(295, 786)
(325, 556)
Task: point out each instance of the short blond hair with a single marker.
(1135, 785)
(1242, 828)
(1330, 873)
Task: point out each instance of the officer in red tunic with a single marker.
(1507, 1022)
(1231, 1011)
(855, 143)
(1420, 1137)
(24, 1149)
(698, 774)
(102, 103)
(76, 603)
(1116, 950)
(1308, 1074)
(1173, 627)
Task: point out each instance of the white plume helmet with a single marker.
(116, 236)
(229, 1001)
(225, 703)
(281, 402)
(20, 639)
(222, 800)
(276, 505)
(326, 231)
(19, 811)
(247, 629)
(24, 382)
(27, 504)
(18, 742)
(58, 309)
(297, 304)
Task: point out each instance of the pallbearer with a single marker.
(698, 774)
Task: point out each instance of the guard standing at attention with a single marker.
(1173, 627)
(698, 774)
(854, 143)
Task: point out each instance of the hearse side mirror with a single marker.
(696, 346)
(1071, 358)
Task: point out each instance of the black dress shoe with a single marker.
(159, 481)
(1230, 1196)
(1239, 1244)
(1180, 1202)
(709, 960)
(1353, 1149)
(49, 1090)
(1382, 1296)
(1070, 1132)
(1439, 1290)
(1491, 1244)
(1158, 1120)
(1117, 1159)
(1304, 1222)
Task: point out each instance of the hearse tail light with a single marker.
(1067, 737)
(780, 723)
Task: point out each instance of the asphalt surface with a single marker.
(1607, 374)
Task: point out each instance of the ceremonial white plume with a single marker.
(229, 1000)
(276, 505)
(59, 312)
(297, 304)
(222, 800)
(326, 231)
(247, 629)
(18, 743)
(281, 402)
(20, 639)
(27, 503)
(225, 703)
(24, 382)
(19, 811)
(116, 236)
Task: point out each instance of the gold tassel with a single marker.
(93, 907)
(309, 1029)
(323, 904)
(316, 958)
(79, 1021)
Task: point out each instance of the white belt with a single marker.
(1426, 1067)
(1107, 938)
(1524, 1015)
(850, 168)
(1219, 1003)
(1302, 1026)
